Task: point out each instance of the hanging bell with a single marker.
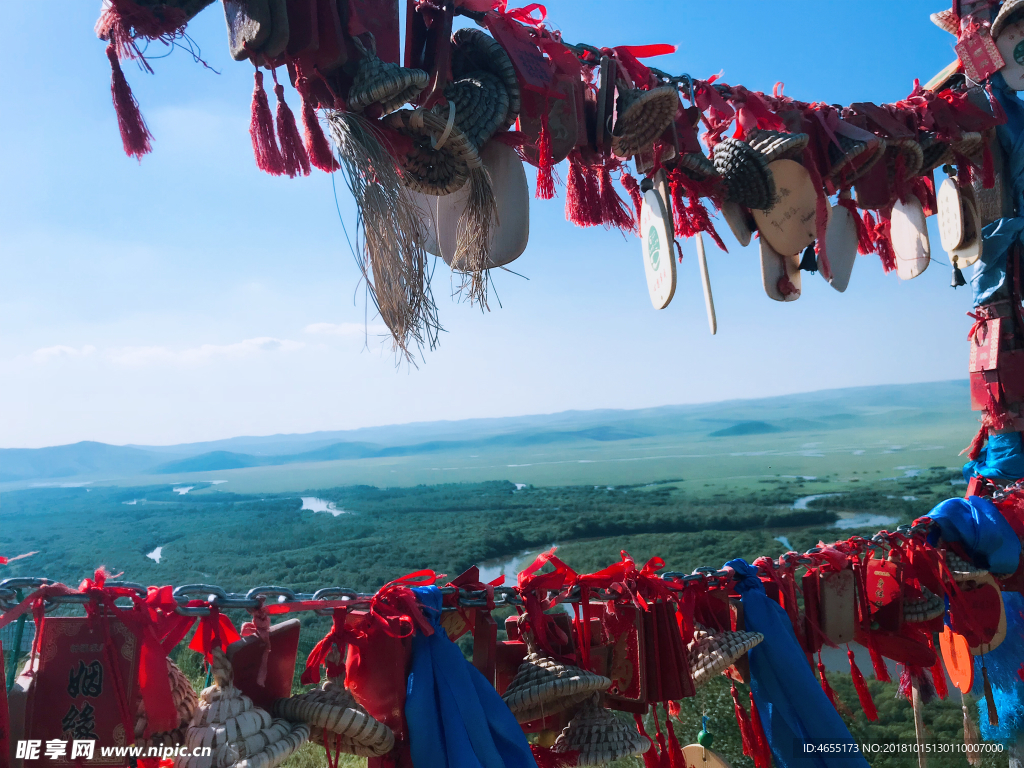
(958, 276)
(809, 261)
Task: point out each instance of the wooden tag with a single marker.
(776, 270)
(790, 225)
(1010, 45)
(534, 71)
(73, 696)
(246, 656)
(885, 593)
(606, 105)
(248, 26)
(951, 215)
(562, 120)
(985, 345)
(970, 250)
(302, 30)
(739, 222)
(427, 206)
(837, 605)
(957, 658)
(705, 281)
(511, 233)
(660, 181)
(910, 238)
(659, 254)
(987, 600)
(841, 246)
(980, 55)
(623, 626)
(696, 756)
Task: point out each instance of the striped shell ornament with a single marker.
(599, 736)
(240, 734)
(961, 569)
(929, 606)
(711, 652)
(543, 686)
(337, 721)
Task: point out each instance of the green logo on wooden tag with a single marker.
(1018, 52)
(654, 247)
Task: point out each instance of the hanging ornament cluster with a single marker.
(925, 601)
(432, 133)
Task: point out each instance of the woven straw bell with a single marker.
(929, 606)
(185, 700)
(841, 157)
(961, 569)
(777, 145)
(240, 734)
(441, 156)
(543, 686)
(642, 116)
(599, 736)
(745, 173)
(710, 652)
(384, 83)
(481, 105)
(336, 720)
(473, 52)
(696, 165)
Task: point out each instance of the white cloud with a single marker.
(346, 329)
(204, 353)
(47, 354)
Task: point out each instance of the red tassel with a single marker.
(864, 244)
(545, 173)
(866, 702)
(881, 670)
(651, 757)
(824, 682)
(582, 197)
(938, 675)
(763, 759)
(135, 136)
(294, 159)
(882, 239)
(261, 129)
(681, 220)
(746, 728)
(974, 449)
(317, 148)
(614, 212)
(632, 188)
(675, 752)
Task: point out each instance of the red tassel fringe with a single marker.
(135, 136)
(651, 757)
(675, 752)
(881, 240)
(294, 159)
(824, 682)
(878, 663)
(974, 449)
(864, 244)
(750, 747)
(261, 129)
(866, 702)
(545, 172)
(582, 194)
(633, 189)
(614, 212)
(763, 759)
(317, 148)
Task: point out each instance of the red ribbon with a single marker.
(531, 15)
(215, 631)
(396, 608)
(340, 635)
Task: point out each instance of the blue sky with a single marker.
(191, 297)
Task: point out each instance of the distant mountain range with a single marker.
(827, 409)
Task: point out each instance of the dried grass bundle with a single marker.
(389, 248)
(473, 240)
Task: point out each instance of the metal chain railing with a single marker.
(217, 597)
